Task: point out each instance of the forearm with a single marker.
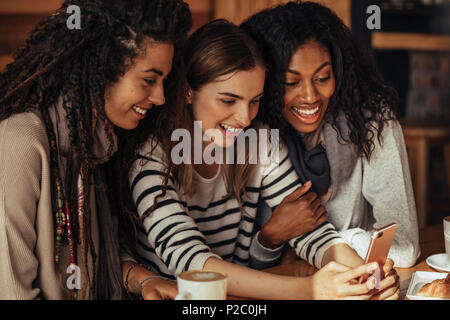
(342, 253)
(135, 276)
(250, 283)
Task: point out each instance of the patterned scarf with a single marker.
(109, 283)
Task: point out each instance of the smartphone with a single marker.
(379, 246)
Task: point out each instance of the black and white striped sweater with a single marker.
(183, 231)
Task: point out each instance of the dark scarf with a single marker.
(109, 279)
(310, 164)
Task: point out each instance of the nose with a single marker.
(157, 97)
(242, 115)
(308, 92)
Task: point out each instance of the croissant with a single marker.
(439, 288)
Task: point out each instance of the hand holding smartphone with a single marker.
(379, 247)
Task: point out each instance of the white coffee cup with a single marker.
(446, 223)
(201, 285)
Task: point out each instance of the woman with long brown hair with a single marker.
(197, 205)
(64, 101)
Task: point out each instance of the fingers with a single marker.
(161, 290)
(390, 281)
(348, 289)
(172, 291)
(152, 295)
(354, 291)
(315, 204)
(392, 293)
(336, 267)
(388, 287)
(360, 297)
(298, 192)
(388, 265)
(309, 198)
(395, 296)
(357, 272)
(320, 212)
(322, 219)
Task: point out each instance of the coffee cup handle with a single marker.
(183, 296)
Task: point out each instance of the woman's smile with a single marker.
(309, 114)
(140, 111)
(230, 130)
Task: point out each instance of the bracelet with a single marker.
(130, 295)
(140, 282)
(148, 278)
(126, 280)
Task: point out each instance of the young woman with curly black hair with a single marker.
(64, 102)
(337, 119)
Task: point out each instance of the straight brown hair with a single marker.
(216, 49)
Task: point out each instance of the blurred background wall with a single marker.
(411, 50)
(17, 17)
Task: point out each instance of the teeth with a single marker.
(306, 111)
(139, 110)
(230, 129)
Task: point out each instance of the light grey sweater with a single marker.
(27, 249)
(366, 195)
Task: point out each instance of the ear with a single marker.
(188, 94)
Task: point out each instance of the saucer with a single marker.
(419, 279)
(439, 262)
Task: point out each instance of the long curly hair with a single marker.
(79, 65)
(360, 94)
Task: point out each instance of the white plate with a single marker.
(439, 262)
(419, 279)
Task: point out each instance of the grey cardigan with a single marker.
(27, 255)
(366, 195)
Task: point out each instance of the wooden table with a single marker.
(431, 242)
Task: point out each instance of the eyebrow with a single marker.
(232, 95)
(159, 72)
(317, 70)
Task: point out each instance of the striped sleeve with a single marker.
(171, 233)
(312, 245)
(281, 180)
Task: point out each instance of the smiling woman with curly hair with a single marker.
(337, 118)
(68, 102)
